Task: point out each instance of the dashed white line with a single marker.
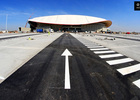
(110, 55)
(99, 49)
(123, 71)
(119, 61)
(137, 83)
(130, 69)
(101, 52)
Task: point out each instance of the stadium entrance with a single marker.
(71, 28)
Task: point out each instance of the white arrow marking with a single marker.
(67, 53)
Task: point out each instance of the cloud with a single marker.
(57, 12)
(2, 12)
(12, 11)
(39, 12)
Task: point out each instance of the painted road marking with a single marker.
(19, 47)
(98, 46)
(119, 61)
(130, 69)
(110, 55)
(137, 83)
(91, 45)
(123, 71)
(101, 52)
(1, 79)
(100, 49)
(66, 53)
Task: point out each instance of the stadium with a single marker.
(69, 23)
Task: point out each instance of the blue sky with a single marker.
(120, 12)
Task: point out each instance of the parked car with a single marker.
(127, 32)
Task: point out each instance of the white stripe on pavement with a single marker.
(87, 43)
(137, 83)
(91, 45)
(99, 49)
(101, 52)
(98, 46)
(110, 55)
(119, 61)
(130, 69)
(1, 79)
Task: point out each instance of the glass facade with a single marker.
(70, 28)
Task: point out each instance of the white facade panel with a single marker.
(70, 20)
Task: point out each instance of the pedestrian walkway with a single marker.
(106, 53)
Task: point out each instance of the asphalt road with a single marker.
(91, 78)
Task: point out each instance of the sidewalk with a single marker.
(126, 47)
(16, 52)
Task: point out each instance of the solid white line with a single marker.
(110, 55)
(98, 46)
(130, 69)
(119, 61)
(137, 83)
(101, 52)
(91, 45)
(20, 47)
(2, 78)
(99, 49)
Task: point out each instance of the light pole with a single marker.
(6, 22)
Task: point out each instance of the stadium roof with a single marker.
(70, 20)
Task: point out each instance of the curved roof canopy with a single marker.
(70, 20)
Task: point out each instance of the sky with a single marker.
(120, 12)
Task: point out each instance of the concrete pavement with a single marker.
(17, 51)
(91, 77)
(126, 47)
